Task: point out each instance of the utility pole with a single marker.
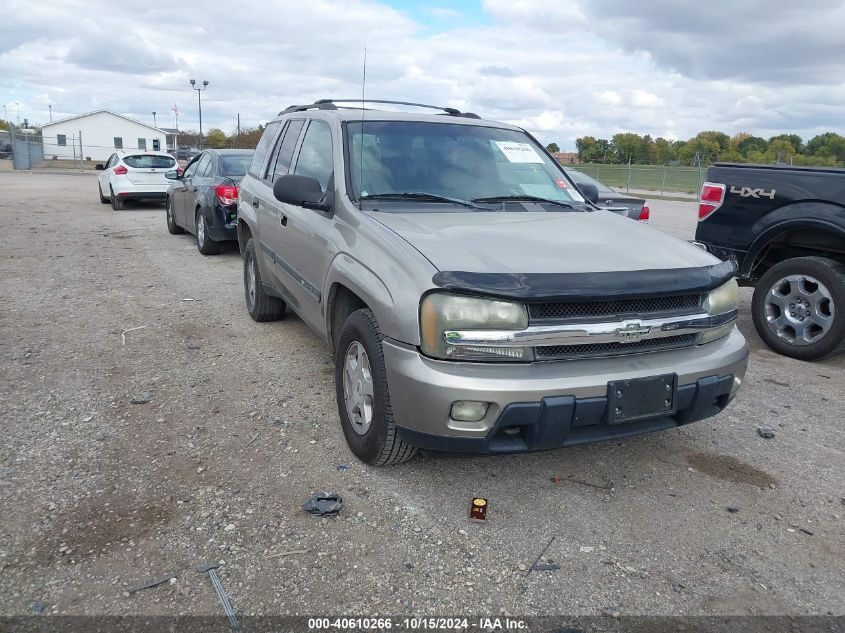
(50, 105)
(155, 125)
(176, 137)
(199, 102)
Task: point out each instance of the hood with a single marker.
(542, 242)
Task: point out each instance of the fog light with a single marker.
(468, 410)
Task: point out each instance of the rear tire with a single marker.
(261, 306)
(205, 244)
(798, 307)
(116, 203)
(172, 227)
(363, 399)
(103, 199)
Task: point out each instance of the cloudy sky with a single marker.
(561, 68)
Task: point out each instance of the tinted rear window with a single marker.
(149, 161)
(234, 166)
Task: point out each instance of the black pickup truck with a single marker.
(784, 229)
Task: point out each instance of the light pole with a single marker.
(154, 120)
(199, 102)
(50, 105)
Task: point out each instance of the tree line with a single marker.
(216, 138)
(705, 148)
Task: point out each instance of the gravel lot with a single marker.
(99, 493)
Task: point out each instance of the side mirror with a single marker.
(302, 191)
(590, 191)
(99, 166)
(172, 174)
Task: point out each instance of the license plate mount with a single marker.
(641, 398)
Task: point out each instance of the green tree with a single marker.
(625, 146)
(780, 151)
(553, 147)
(645, 154)
(663, 151)
(4, 125)
(216, 138)
(793, 139)
(751, 143)
(586, 146)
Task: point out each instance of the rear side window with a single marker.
(203, 169)
(262, 148)
(149, 161)
(315, 155)
(286, 147)
(234, 165)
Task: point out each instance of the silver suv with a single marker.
(473, 299)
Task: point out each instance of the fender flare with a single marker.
(348, 271)
(781, 228)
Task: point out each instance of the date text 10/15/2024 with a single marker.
(417, 624)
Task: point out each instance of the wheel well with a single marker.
(342, 303)
(799, 243)
(244, 235)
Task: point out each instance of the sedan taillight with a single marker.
(120, 170)
(645, 213)
(226, 194)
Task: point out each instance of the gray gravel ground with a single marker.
(99, 494)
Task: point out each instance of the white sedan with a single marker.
(134, 176)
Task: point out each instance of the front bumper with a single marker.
(553, 403)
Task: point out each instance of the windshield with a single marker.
(234, 165)
(463, 162)
(149, 161)
(584, 179)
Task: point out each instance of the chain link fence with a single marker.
(659, 178)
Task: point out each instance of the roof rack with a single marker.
(329, 104)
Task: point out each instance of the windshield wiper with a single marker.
(421, 195)
(523, 198)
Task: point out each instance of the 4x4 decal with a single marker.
(749, 192)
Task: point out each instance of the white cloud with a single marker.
(532, 61)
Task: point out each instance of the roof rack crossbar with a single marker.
(329, 104)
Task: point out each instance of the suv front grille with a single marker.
(603, 309)
(561, 352)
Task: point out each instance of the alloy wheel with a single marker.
(799, 309)
(358, 388)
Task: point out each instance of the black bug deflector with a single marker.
(586, 286)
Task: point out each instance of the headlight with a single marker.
(723, 299)
(440, 312)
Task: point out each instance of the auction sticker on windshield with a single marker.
(519, 152)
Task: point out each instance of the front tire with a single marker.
(363, 399)
(798, 307)
(172, 227)
(205, 244)
(261, 306)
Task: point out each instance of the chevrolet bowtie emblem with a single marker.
(632, 332)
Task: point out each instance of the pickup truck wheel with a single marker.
(798, 307)
(363, 399)
(260, 305)
(172, 227)
(205, 244)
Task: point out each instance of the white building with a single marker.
(102, 132)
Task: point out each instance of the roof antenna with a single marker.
(361, 158)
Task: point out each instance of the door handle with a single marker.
(255, 202)
(283, 220)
